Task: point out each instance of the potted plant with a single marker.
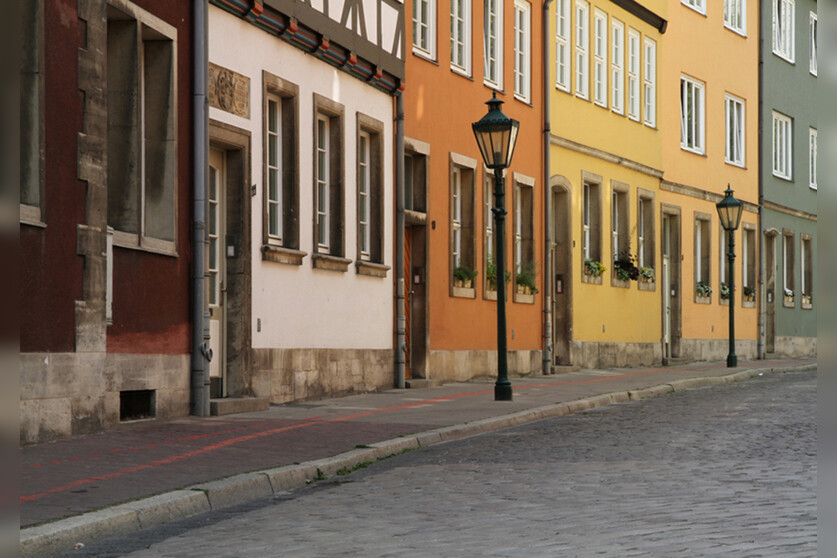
(491, 273)
(749, 293)
(807, 299)
(593, 267)
(724, 291)
(789, 296)
(463, 276)
(625, 266)
(646, 274)
(703, 289)
(526, 279)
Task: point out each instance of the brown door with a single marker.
(770, 294)
(416, 290)
(561, 276)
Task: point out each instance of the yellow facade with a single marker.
(605, 321)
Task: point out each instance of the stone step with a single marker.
(564, 368)
(675, 361)
(419, 383)
(235, 405)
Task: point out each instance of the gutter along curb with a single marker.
(60, 536)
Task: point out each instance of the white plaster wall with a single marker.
(302, 307)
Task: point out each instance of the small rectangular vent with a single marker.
(136, 405)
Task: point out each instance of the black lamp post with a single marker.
(729, 211)
(496, 134)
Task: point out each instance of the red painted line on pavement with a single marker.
(310, 422)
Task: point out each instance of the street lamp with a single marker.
(496, 135)
(729, 211)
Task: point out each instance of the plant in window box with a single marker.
(703, 289)
(749, 293)
(724, 291)
(463, 276)
(491, 273)
(593, 267)
(526, 279)
(646, 274)
(625, 266)
(807, 299)
(788, 295)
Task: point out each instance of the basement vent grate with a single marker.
(136, 405)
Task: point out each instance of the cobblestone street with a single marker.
(720, 471)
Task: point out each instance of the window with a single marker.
(691, 115)
(462, 219)
(703, 242)
(735, 16)
(32, 113)
(620, 241)
(788, 271)
(812, 158)
(328, 177)
(488, 220)
(697, 5)
(735, 130)
(748, 258)
(812, 46)
(522, 50)
(645, 230)
(524, 230)
(633, 74)
(460, 36)
(600, 58)
(783, 35)
(782, 150)
(141, 134)
(650, 82)
(370, 194)
(617, 68)
(281, 152)
(424, 28)
(562, 44)
(807, 271)
(722, 260)
(591, 244)
(582, 43)
(493, 43)
(415, 175)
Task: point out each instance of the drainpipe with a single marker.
(201, 355)
(547, 204)
(762, 298)
(400, 298)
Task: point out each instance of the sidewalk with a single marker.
(167, 470)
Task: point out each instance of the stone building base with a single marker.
(285, 375)
(461, 366)
(615, 355)
(68, 394)
(795, 347)
(717, 349)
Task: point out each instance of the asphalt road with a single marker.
(720, 471)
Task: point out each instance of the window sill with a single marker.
(723, 301)
(593, 280)
(463, 292)
(524, 298)
(560, 87)
(33, 223)
(694, 9)
(490, 295)
(734, 164)
(807, 306)
(748, 303)
(692, 150)
(646, 285)
(462, 72)
(790, 60)
(282, 255)
(523, 100)
(782, 177)
(616, 282)
(788, 302)
(424, 55)
(703, 299)
(415, 217)
(740, 32)
(31, 215)
(494, 86)
(151, 246)
(330, 263)
(371, 269)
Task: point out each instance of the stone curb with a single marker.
(60, 536)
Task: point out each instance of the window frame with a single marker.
(736, 135)
(523, 58)
(813, 39)
(463, 15)
(703, 252)
(430, 25)
(699, 125)
(806, 271)
(649, 80)
(563, 38)
(634, 65)
(782, 146)
(582, 50)
(620, 221)
(333, 251)
(591, 222)
(31, 106)
(749, 260)
(600, 51)
(523, 247)
(617, 66)
(697, 5)
(788, 268)
(736, 8)
(812, 158)
(462, 220)
(646, 231)
(784, 32)
(494, 34)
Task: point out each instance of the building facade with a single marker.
(460, 53)
(788, 120)
(105, 245)
(302, 196)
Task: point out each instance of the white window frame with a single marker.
(697, 5)
(735, 118)
(735, 16)
(322, 145)
(460, 36)
(585, 222)
(812, 158)
(424, 19)
(488, 202)
(649, 77)
(633, 74)
(697, 124)
(788, 263)
(563, 50)
(614, 225)
(782, 146)
(522, 50)
(582, 49)
(364, 197)
(600, 69)
(273, 162)
(617, 66)
(783, 29)
(493, 35)
(723, 235)
(812, 43)
(456, 216)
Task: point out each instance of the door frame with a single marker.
(236, 142)
(674, 282)
(560, 186)
(219, 349)
(769, 289)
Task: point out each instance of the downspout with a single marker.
(762, 260)
(201, 355)
(400, 298)
(547, 204)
